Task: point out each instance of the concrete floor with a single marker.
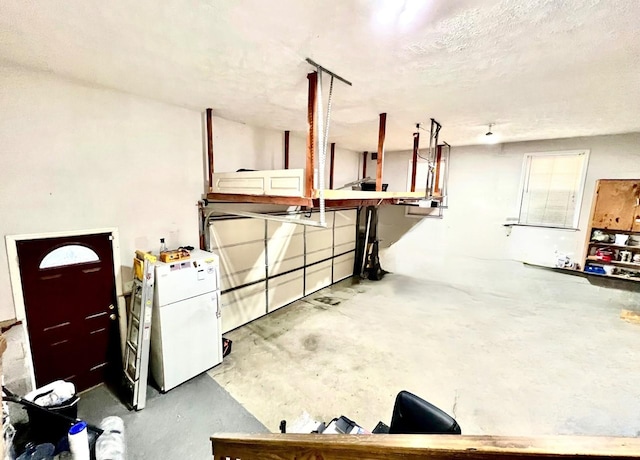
(504, 348)
(176, 425)
(500, 363)
(173, 426)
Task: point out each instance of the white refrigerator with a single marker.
(186, 337)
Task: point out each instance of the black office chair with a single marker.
(414, 415)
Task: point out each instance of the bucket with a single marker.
(46, 427)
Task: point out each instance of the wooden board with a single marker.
(264, 199)
(414, 160)
(311, 132)
(380, 160)
(615, 207)
(332, 160)
(333, 198)
(286, 149)
(630, 316)
(210, 146)
(359, 194)
(636, 218)
(342, 447)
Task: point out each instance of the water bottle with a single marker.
(79, 441)
(39, 452)
(111, 444)
(163, 246)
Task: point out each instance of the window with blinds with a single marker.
(552, 188)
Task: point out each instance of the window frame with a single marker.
(524, 177)
(95, 258)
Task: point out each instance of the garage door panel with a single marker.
(317, 256)
(338, 250)
(316, 217)
(242, 258)
(345, 217)
(243, 305)
(343, 266)
(241, 278)
(283, 230)
(319, 240)
(236, 231)
(344, 235)
(285, 265)
(285, 248)
(285, 289)
(318, 276)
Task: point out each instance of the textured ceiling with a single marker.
(536, 68)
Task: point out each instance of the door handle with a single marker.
(112, 317)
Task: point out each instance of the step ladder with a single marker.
(136, 362)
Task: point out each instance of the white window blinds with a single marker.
(552, 189)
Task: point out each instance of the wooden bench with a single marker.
(407, 447)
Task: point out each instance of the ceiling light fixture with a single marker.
(490, 137)
(399, 14)
(489, 133)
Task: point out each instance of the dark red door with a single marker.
(70, 297)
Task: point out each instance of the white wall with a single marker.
(75, 157)
(346, 161)
(236, 145)
(483, 193)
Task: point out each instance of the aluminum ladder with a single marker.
(136, 363)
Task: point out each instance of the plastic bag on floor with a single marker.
(52, 394)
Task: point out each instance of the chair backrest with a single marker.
(414, 415)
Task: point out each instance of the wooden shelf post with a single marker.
(414, 162)
(381, 135)
(332, 160)
(286, 149)
(365, 156)
(438, 163)
(311, 133)
(209, 118)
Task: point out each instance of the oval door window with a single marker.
(71, 254)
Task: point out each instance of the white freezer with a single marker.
(180, 280)
(186, 338)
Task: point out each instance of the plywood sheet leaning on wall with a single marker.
(630, 316)
(616, 204)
